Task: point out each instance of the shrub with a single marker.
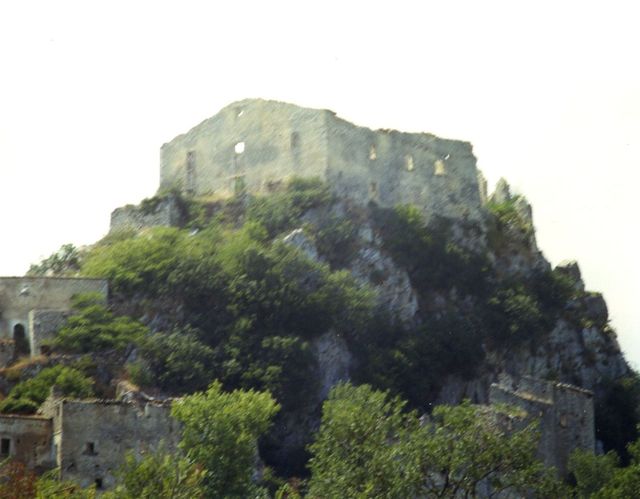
(177, 362)
(27, 395)
(94, 328)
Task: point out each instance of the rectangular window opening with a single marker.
(90, 448)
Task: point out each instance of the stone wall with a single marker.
(26, 439)
(251, 144)
(256, 145)
(389, 167)
(91, 438)
(20, 295)
(44, 324)
(565, 413)
(166, 213)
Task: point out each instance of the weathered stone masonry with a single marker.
(256, 145)
(32, 308)
(565, 412)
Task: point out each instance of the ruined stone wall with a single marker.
(43, 325)
(257, 145)
(537, 409)
(565, 412)
(252, 144)
(166, 213)
(389, 167)
(27, 439)
(21, 295)
(575, 421)
(94, 436)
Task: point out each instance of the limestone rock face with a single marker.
(391, 284)
(334, 361)
(298, 239)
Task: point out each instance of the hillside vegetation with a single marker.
(230, 299)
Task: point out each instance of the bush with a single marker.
(27, 396)
(428, 253)
(281, 211)
(178, 362)
(94, 328)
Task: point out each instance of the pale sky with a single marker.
(548, 92)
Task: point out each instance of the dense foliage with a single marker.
(26, 396)
(368, 446)
(220, 433)
(156, 475)
(95, 328)
(601, 477)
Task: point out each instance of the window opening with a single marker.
(372, 153)
(295, 140)
(98, 482)
(5, 447)
(239, 148)
(408, 161)
(90, 448)
(439, 167)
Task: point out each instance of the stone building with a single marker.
(256, 145)
(87, 439)
(33, 308)
(27, 439)
(565, 412)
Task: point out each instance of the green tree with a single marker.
(592, 472)
(220, 433)
(368, 446)
(158, 475)
(177, 362)
(600, 477)
(361, 449)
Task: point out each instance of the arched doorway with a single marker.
(20, 341)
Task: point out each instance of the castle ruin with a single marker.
(256, 145)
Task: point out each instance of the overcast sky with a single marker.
(547, 92)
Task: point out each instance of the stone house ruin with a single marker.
(87, 439)
(33, 308)
(565, 413)
(256, 145)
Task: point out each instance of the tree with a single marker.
(467, 447)
(177, 362)
(368, 446)
(361, 449)
(220, 433)
(158, 474)
(599, 477)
